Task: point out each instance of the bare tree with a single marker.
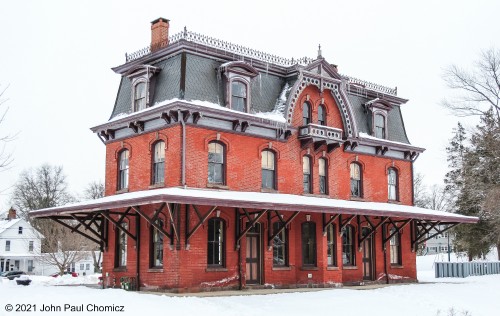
(478, 90)
(40, 188)
(46, 187)
(61, 247)
(94, 190)
(5, 157)
(420, 197)
(439, 199)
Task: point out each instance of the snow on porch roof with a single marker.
(273, 201)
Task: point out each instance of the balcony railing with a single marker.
(320, 132)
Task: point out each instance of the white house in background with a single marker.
(20, 245)
(439, 243)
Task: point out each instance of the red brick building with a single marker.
(228, 167)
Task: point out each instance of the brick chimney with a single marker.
(159, 34)
(12, 214)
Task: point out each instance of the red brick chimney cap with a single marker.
(160, 20)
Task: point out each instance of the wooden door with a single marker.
(253, 255)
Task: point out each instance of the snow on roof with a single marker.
(5, 224)
(368, 136)
(275, 201)
(267, 115)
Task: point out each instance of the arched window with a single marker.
(121, 246)
(331, 239)
(323, 176)
(216, 247)
(348, 257)
(321, 115)
(239, 96)
(268, 170)
(306, 171)
(280, 245)
(156, 244)
(216, 157)
(308, 244)
(140, 96)
(356, 180)
(379, 129)
(306, 113)
(395, 247)
(123, 170)
(392, 184)
(159, 163)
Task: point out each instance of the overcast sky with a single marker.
(56, 56)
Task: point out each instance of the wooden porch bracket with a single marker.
(385, 238)
(285, 224)
(55, 219)
(438, 231)
(251, 224)
(343, 224)
(119, 226)
(373, 228)
(419, 233)
(87, 226)
(201, 220)
(152, 221)
(326, 223)
(175, 232)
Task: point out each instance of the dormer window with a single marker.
(380, 109)
(142, 85)
(239, 96)
(140, 96)
(238, 76)
(379, 126)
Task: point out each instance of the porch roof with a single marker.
(272, 201)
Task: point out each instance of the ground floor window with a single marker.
(348, 257)
(331, 246)
(280, 245)
(309, 244)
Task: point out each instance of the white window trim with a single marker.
(376, 112)
(246, 81)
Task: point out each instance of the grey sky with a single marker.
(57, 55)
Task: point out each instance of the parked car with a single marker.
(11, 275)
(73, 274)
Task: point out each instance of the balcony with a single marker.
(320, 135)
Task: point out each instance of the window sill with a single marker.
(282, 269)
(332, 268)
(158, 185)
(121, 191)
(155, 270)
(264, 190)
(357, 198)
(325, 196)
(217, 186)
(216, 269)
(349, 268)
(397, 266)
(120, 269)
(394, 201)
(309, 268)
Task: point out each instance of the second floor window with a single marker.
(159, 163)
(321, 115)
(215, 251)
(348, 254)
(323, 184)
(31, 246)
(379, 129)
(216, 163)
(7, 245)
(239, 96)
(140, 96)
(356, 180)
(306, 113)
(268, 170)
(306, 171)
(392, 184)
(123, 170)
(308, 244)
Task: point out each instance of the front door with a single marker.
(367, 249)
(253, 255)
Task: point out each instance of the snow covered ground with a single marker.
(476, 296)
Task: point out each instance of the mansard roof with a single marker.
(271, 76)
